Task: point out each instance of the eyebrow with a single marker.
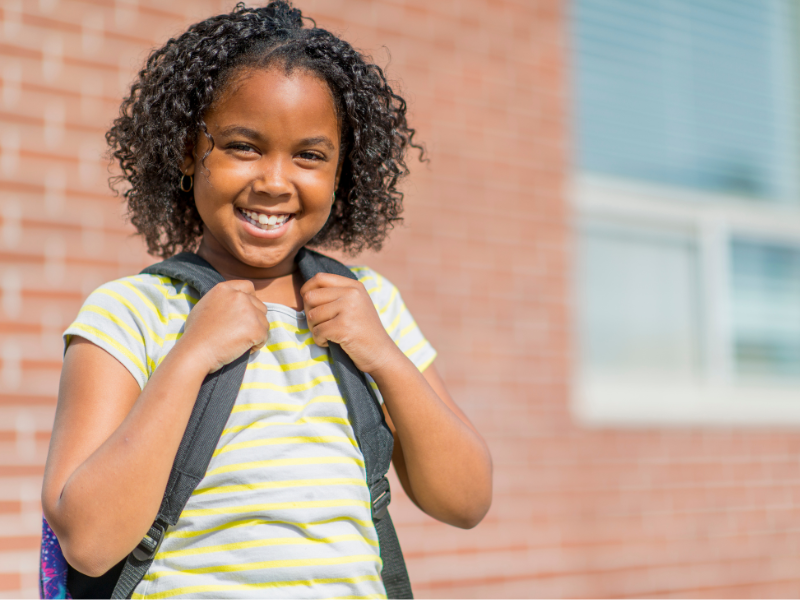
(240, 130)
(319, 140)
(253, 134)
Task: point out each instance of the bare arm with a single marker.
(440, 458)
(436, 382)
(113, 446)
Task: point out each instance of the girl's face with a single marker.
(270, 178)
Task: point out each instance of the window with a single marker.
(687, 196)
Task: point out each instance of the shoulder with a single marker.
(148, 293)
(395, 316)
(382, 291)
(132, 318)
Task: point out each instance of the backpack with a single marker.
(57, 579)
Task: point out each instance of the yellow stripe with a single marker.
(406, 330)
(286, 406)
(146, 301)
(391, 300)
(270, 564)
(416, 348)
(377, 279)
(169, 281)
(427, 363)
(286, 541)
(288, 327)
(192, 590)
(270, 485)
(232, 510)
(107, 338)
(289, 366)
(254, 522)
(298, 439)
(115, 319)
(380, 283)
(127, 304)
(281, 462)
(291, 344)
(298, 387)
(301, 420)
(396, 322)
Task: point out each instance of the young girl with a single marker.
(244, 140)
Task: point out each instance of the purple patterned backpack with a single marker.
(52, 567)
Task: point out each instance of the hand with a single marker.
(225, 323)
(340, 310)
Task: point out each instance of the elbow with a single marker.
(84, 556)
(83, 550)
(471, 511)
(86, 560)
(481, 498)
(469, 517)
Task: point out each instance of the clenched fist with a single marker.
(225, 323)
(340, 310)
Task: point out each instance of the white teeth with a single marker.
(263, 221)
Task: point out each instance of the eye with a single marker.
(310, 156)
(241, 147)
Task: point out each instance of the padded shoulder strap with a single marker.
(373, 435)
(214, 403)
(209, 415)
(366, 415)
(189, 268)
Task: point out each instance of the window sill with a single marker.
(609, 402)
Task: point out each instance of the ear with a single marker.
(338, 175)
(188, 164)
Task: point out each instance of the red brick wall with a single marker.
(483, 262)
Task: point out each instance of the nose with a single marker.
(272, 177)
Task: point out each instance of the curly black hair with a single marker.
(163, 115)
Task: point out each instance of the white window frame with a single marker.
(714, 399)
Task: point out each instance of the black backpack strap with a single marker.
(373, 435)
(209, 415)
(213, 406)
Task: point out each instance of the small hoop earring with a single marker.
(191, 183)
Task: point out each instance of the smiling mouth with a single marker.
(265, 222)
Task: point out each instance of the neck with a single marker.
(279, 284)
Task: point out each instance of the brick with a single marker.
(486, 248)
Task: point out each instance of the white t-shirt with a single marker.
(284, 510)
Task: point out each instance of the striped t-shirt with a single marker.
(284, 510)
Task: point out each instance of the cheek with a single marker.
(219, 184)
(318, 193)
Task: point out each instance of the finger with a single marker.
(323, 312)
(262, 308)
(321, 333)
(322, 323)
(324, 280)
(265, 338)
(319, 296)
(240, 285)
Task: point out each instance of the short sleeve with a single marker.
(124, 318)
(396, 318)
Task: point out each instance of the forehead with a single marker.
(271, 98)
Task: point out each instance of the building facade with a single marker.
(602, 249)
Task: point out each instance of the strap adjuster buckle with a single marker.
(381, 496)
(146, 549)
